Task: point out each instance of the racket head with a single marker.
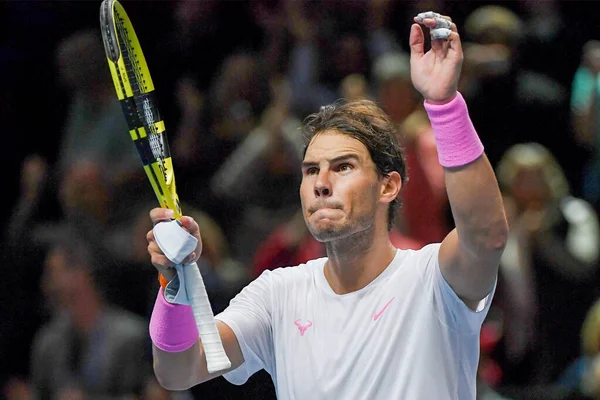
(135, 90)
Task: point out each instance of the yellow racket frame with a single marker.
(160, 171)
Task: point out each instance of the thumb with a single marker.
(416, 41)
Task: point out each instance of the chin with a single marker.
(328, 234)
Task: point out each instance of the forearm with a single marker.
(470, 254)
(180, 370)
(477, 209)
(176, 345)
(471, 184)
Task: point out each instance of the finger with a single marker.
(438, 40)
(157, 257)
(455, 44)
(190, 259)
(161, 214)
(150, 236)
(438, 23)
(421, 17)
(441, 37)
(416, 41)
(440, 34)
(189, 224)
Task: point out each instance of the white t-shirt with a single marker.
(406, 335)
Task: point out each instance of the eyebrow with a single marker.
(344, 157)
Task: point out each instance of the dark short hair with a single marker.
(84, 248)
(364, 121)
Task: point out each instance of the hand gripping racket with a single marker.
(147, 129)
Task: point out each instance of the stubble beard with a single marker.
(348, 235)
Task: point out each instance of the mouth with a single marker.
(326, 213)
(324, 207)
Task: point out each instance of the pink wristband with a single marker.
(457, 141)
(172, 326)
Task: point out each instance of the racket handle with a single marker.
(216, 358)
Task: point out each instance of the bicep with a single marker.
(470, 277)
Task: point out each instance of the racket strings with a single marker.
(146, 111)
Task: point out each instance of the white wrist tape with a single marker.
(174, 241)
(442, 26)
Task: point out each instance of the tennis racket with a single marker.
(135, 91)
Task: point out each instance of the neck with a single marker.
(355, 261)
(85, 312)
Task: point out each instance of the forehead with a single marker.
(332, 143)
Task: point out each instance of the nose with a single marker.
(323, 185)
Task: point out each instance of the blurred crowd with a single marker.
(234, 80)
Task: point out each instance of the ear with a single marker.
(390, 187)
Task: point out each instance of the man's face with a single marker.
(59, 281)
(340, 187)
(530, 190)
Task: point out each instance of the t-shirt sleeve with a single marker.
(249, 316)
(451, 310)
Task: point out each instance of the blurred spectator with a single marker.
(548, 275)
(354, 87)
(89, 348)
(423, 216)
(213, 64)
(213, 124)
(95, 127)
(83, 197)
(577, 375)
(585, 92)
(426, 188)
(510, 104)
(289, 244)
(262, 175)
(489, 374)
(393, 87)
(223, 275)
(340, 39)
(547, 36)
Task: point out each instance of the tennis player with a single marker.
(369, 321)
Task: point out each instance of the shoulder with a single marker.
(577, 210)
(53, 335)
(300, 271)
(124, 323)
(536, 89)
(424, 254)
(295, 276)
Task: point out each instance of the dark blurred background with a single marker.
(234, 80)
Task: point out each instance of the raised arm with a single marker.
(470, 254)
(181, 363)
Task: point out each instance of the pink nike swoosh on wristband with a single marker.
(377, 315)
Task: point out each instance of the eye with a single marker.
(345, 168)
(311, 171)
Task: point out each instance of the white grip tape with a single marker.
(176, 243)
(216, 358)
